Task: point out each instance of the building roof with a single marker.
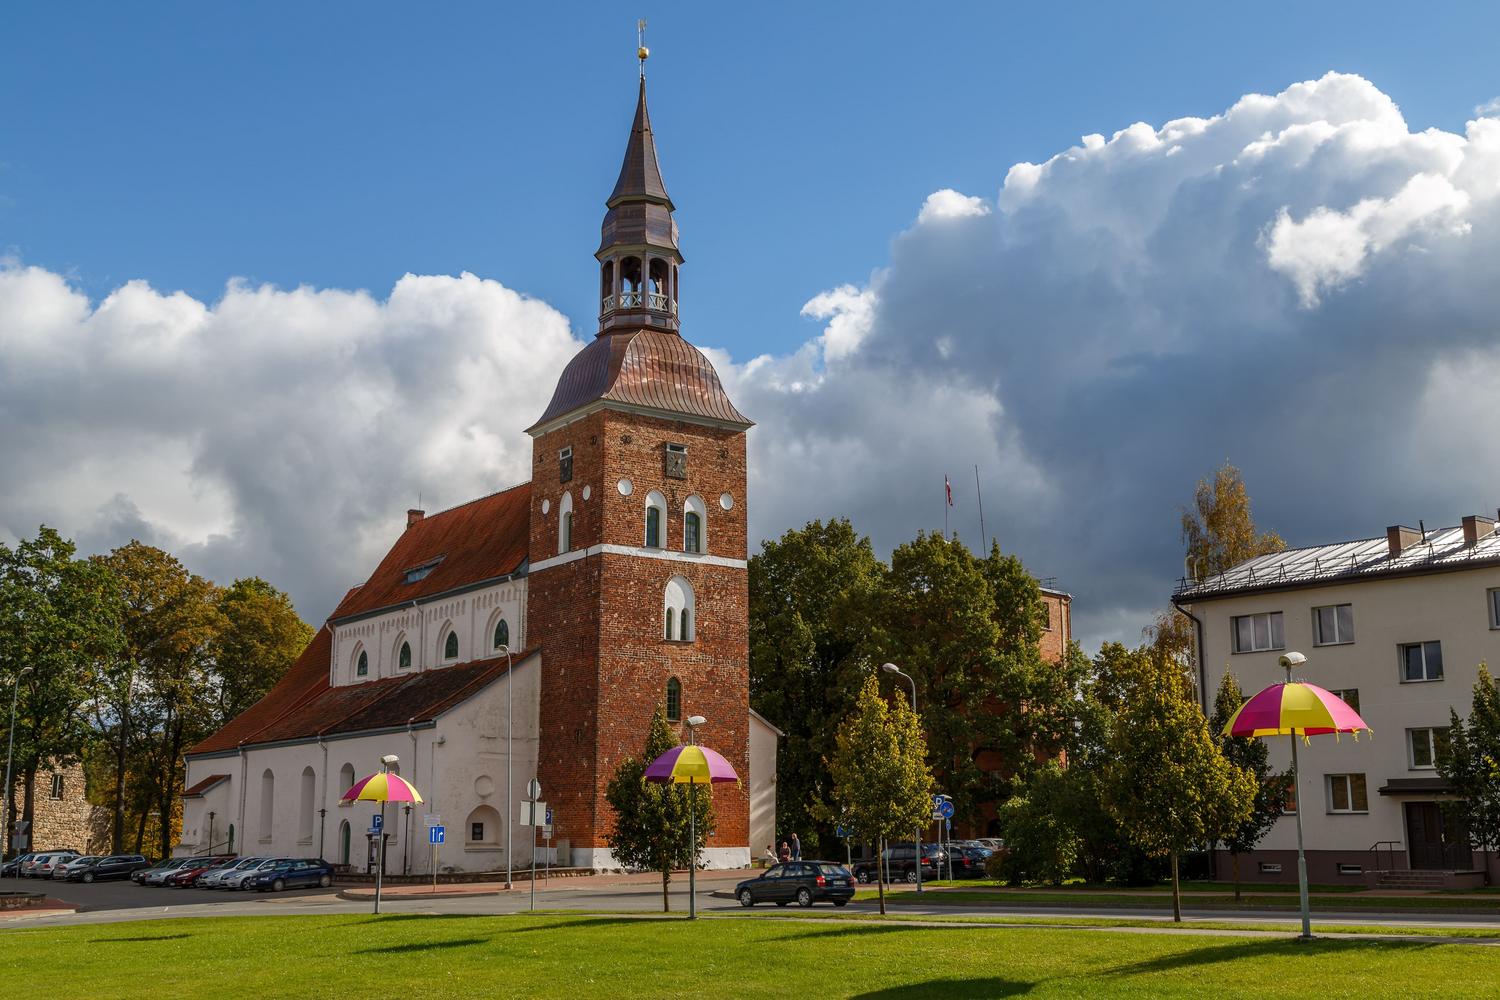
(649, 369)
(296, 710)
(200, 787)
(468, 544)
(640, 173)
(1442, 550)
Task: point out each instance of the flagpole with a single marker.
(947, 502)
(982, 536)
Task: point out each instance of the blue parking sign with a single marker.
(435, 835)
(377, 823)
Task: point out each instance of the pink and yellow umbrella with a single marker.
(382, 786)
(691, 765)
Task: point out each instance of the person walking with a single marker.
(796, 848)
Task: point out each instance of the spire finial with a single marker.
(641, 52)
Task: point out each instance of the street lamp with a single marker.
(693, 722)
(1288, 661)
(510, 698)
(385, 767)
(15, 691)
(891, 668)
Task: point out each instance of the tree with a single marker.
(259, 640)
(1166, 782)
(1219, 531)
(879, 771)
(811, 594)
(651, 821)
(1471, 762)
(1253, 756)
(1041, 839)
(57, 616)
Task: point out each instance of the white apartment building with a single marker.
(1397, 626)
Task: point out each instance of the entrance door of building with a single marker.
(344, 842)
(1433, 842)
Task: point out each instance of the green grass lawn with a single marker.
(978, 894)
(580, 957)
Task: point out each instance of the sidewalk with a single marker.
(575, 883)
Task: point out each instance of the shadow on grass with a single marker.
(1280, 947)
(390, 918)
(415, 946)
(850, 930)
(570, 923)
(148, 937)
(934, 988)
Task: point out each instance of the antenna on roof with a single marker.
(1423, 526)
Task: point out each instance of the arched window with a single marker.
(362, 667)
(483, 828)
(305, 810)
(403, 658)
(450, 646)
(674, 700)
(656, 514)
(630, 281)
(694, 525)
(346, 781)
(267, 802)
(344, 842)
(565, 524)
(502, 634)
(680, 610)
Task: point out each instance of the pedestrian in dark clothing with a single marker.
(796, 848)
(786, 853)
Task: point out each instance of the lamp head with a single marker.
(694, 721)
(390, 758)
(1292, 659)
(890, 668)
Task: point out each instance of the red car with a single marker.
(188, 873)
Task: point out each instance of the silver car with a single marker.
(60, 868)
(158, 875)
(236, 879)
(215, 879)
(41, 866)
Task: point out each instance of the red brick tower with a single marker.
(638, 589)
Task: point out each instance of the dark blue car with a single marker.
(292, 875)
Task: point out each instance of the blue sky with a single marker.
(1293, 263)
(345, 144)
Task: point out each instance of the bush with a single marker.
(1041, 846)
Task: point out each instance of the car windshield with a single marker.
(837, 870)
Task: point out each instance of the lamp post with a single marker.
(693, 722)
(385, 767)
(891, 668)
(510, 698)
(15, 691)
(210, 831)
(1288, 661)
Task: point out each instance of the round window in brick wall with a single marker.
(626, 487)
(726, 501)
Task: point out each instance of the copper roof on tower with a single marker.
(651, 369)
(639, 209)
(640, 174)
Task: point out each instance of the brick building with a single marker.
(532, 632)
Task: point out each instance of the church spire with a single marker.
(638, 254)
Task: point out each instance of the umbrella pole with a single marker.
(380, 871)
(1301, 857)
(692, 850)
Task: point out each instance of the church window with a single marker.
(267, 803)
(653, 527)
(674, 700)
(450, 646)
(484, 826)
(676, 461)
(476, 831)
(692, 531)
(565, 465)
(565, 524)
(363, 667)
(57, 786)
(502, 634)
(404, 658)
(679, 610)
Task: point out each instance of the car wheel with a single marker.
(747, 899)
(325, 881)
(88, 876)
(863, 878)
(278, 885)
(804, 897)
(911, 877)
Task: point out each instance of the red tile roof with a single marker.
(476, 541)
(204, 785)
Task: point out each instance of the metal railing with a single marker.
(638, 300)
(1375, 852)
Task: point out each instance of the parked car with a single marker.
(157, 874)
(806, 882)
(185, 876)
(61, 868)
(139, 876)
(299, 874)
(968, 862)
(901, 864)
(221, 864)
(215, 879)
(42, 864)
(236, 879)
(12, 868)
(105, 867)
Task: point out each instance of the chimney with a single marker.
(1477, 526)
(1399, 538)
(414, 515)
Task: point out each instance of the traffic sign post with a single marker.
(435, 833)
(535, 810)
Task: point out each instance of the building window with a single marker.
(676, 461)
(1270, 867)
(1494, 596)
(484, 827)
(1424, 746)
(423, 571)
(671, 622)
(57, 786)
(1346, 794)
(403, 659)
(565, 465)
(362, 668)
(1257, 633)
(450, 646)
(1334, 624)
(674, 700)
(653, 527)
(565, 524)
(685, 626)
(476, 832)
(692, 533)
(679, 603)
(1421, 661)
(1289, 804)
(502, 634)
(1349, 696)
(1046, 616)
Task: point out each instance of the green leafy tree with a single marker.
(259, 639)
(1253, 756)
(1219, 531)
(1040, 829)
(881, 780)
(651, 821)
(58, 617)
(811, 595)
(1470, 760)
(1166, 783)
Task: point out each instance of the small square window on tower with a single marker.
(565, 465)
(676, 467)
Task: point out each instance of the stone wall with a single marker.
(69, 821)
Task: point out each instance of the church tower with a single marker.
(637, 588)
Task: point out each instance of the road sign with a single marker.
(842, 832)
(435, 835)
(432, 819)
(377, 823)
(533, 813)
(534, 790)
(944, 810)
(936, 815)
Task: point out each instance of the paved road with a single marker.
(117, 901)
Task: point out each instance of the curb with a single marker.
(363, 895)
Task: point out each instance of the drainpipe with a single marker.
(323, 810)
(406, 843)
(244, 770)
(1213, 859)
